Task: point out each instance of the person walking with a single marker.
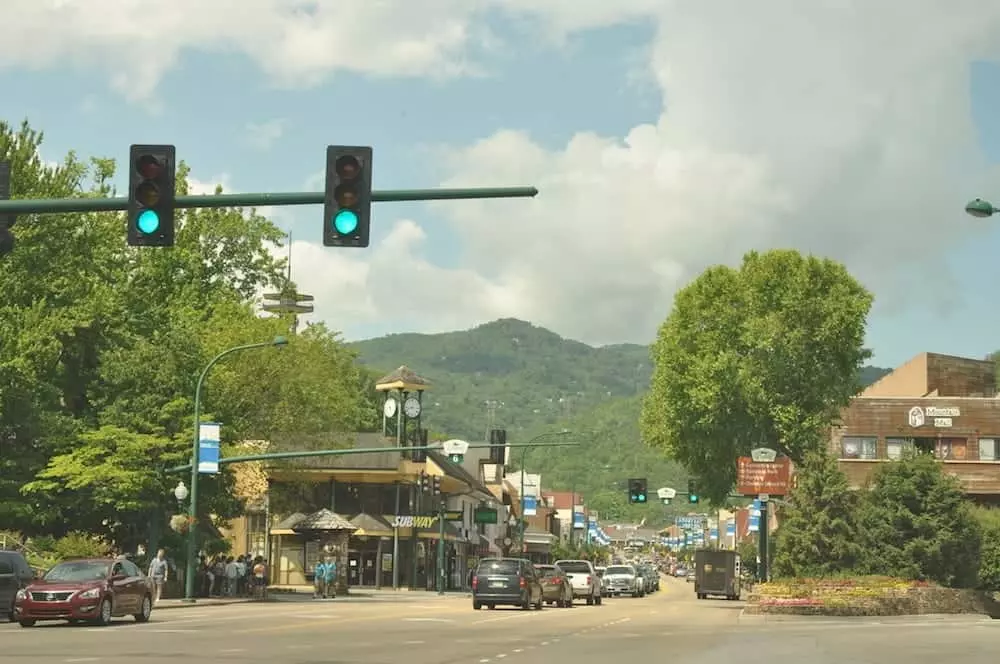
(158, 570)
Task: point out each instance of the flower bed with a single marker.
(860, 596)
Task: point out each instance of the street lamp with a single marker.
(524, 454)
(981, 209)
(192, 552)
(181, 492)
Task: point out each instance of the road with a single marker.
(432, 630)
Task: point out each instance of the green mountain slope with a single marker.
(535, 381)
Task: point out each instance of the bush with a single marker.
(79, 545)
(989, 554)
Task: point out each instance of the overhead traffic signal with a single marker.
(6, 220)
(424, 483)
(436, 485)
(693, 492)
(637, 491)
(348, 202)
(151, 196)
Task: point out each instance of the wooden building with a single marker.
(935, 404)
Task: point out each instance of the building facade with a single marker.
(934, 404)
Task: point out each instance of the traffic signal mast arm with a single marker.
(120, 204)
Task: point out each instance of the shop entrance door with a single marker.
(369, 568)
(354, 568)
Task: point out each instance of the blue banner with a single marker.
(579, 520)
(731, 529)
(530, 505)
(208, 448)
(713, 534)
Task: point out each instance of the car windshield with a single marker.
(548, 571)
(575, 567)
(499, 567)
(619, 570)
(75, 572)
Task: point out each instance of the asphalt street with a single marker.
(426, 629)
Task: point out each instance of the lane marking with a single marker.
(437, 620)
(232, 650)
(413, 643)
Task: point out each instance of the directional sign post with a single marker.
(455, 449)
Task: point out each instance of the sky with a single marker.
(665, 136)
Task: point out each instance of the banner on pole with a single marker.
(208, 448)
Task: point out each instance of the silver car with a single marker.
(623, 580)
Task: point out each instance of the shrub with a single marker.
(79, 545)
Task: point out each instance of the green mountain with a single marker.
(529, 381)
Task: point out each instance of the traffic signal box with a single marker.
(693, 497)
(637, 494)
(152, 173)
(348, 198)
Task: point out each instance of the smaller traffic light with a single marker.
(498, 446)
(424, 482)
(348, 200)
(692, 492)
(152, 172)
(6, 220)
(637, 491)
(436, 485)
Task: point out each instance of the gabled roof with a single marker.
(324, 519)
(403, 378)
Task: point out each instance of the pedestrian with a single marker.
(158, 570)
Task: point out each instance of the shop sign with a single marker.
(940, 417)
(413, 521)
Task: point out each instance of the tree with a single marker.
(915, 523)
(989, 555)
(763, 355)
(818, 535)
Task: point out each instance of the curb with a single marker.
(745, 618)
(203, 604)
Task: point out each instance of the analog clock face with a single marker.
(411, 407)
(390, 407)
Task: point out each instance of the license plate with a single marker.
(498, 584)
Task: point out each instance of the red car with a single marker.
(93, 590)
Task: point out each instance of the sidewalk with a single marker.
(402, 593)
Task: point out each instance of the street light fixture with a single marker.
(192, 552)
(181, 492)
(981, 209)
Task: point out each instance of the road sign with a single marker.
(763, 455)
(691, 522)
(666, 493)
(454, 515)
(754, 477)
(455, 449)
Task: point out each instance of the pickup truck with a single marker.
(623, 580)
(583, 577)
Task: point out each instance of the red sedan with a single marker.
(94, 590)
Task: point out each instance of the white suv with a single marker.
(583, 577)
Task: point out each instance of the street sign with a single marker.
(755, 477)
(454, 515)
(666, 493)
(455, 449)
(691, 522)
(484, 515)
(763, 455)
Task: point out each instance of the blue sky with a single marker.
(604, 80)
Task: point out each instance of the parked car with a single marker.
(622, 580)
(509, 581)
(556, 586)
(90, 590)
(15, 575)
(586, 583)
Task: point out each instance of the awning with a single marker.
(370, 526)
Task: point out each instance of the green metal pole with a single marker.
(63, 205)
(536, 441)
(192, 535)
(440, 565)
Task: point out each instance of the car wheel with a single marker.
(27, 623)
(104, 613)
(145, 610)
(476, 605)
(491, 606)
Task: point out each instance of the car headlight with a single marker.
(21, 594)
(92, 593)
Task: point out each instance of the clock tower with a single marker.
(402, 405)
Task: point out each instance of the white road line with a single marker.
(436, 620)
(82, 659)
(232, 650)
(413, 643)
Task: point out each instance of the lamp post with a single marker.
(181, 492)
(981, 209)
(193, 505)
(524, 454)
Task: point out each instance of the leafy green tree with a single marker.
(762, 355)
(989, 555)
(915, 523)
(818, 535)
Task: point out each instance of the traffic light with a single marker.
(348, 203)
(6, 220)
(424, 483)
(436, 485)
(152, 170)
(637, 491)
(498, 446)
(692, 492)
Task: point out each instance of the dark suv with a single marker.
(511, 581)
(15, 574)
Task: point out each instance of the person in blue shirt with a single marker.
(326, 578)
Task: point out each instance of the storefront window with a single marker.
(951, 449)
(858, 447)
(897, 448)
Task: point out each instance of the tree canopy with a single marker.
(763, 355)
(101, 345)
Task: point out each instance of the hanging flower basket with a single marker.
(181, 523)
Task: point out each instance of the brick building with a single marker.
(936, 404)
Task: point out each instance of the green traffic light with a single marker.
(148, 222)
(345, 221)
(641, 498)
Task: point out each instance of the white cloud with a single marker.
(838, 130)
(265, 134)
(198, 187)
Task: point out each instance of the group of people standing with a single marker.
(226, 576)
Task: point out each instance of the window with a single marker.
(130, 568)
(6, 567)
(951, 449)
(856, 447)
(897, 448)
(989, 449)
